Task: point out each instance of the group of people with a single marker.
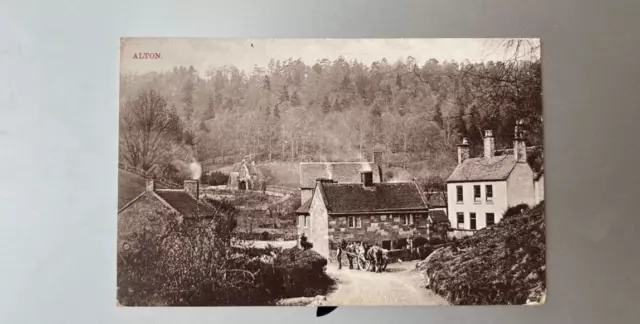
(374, 254)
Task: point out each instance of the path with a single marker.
(399, 285)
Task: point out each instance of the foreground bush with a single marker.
(195, 265)
(501, 264)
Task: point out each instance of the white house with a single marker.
(481, 189)
(539, 186)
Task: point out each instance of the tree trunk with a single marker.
(361, 141)
(292, 146)
(269, 143)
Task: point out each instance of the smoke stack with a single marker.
(377, 154)
(463, 151)
(489, 144)
(519, 146)
(192, 187)
(377, 160)
(151, 185)
(367, 178)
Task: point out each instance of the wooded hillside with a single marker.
(330, 110)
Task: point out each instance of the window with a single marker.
(472, 218)
(491, 219)
(476, 194)
(386, 245)
(459, 194)
(354, 221)
(306, 221)
(460, 220)
(407, 219)
(489, 189)
(301, 221)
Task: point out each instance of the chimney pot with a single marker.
(151, 185)
(489, 144)
(463, 151)
(519, 146)
(192, 187)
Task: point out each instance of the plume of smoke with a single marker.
(398, 176)
(196, 170)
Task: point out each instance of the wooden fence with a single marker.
(280, 189)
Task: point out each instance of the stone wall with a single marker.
(376, 228)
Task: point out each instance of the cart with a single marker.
(361, 262)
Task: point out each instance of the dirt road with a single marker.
(399, 285)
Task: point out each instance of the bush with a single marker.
(304, 243)
(502, 264)
(516, 210)
(194, 264)
(215, 178)
(420, 241)
(264, 236)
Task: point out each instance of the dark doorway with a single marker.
(402, 243)
(242, 185)
(386, 245)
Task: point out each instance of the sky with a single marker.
(209, 53)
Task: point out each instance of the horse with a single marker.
(378, 258)
(351, 250)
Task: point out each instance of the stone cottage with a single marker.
(154, 209)
(244, 176)
(384, 213)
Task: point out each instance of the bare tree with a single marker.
(147, 129)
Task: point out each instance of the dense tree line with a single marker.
(333, 110)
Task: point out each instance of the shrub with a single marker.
(304, 243)
(194, 264)
(215, 178)
(420, 241)
(499, 265)
(515, 211)
(264, 236)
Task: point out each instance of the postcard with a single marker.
(330, 172)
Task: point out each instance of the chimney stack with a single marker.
(489, 144)
(367, 178)
(151, 185)
(519, 146)
(377, 154)
(192, 187)
(463, 151)
(377, 160)
(324, 180)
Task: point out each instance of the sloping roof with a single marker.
(344, 198)
(435, 200)
(438, 216)
(304, 209)
(185, 204)
(483, 169)
(236, 167)
(338, 171)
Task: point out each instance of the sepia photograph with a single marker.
(330, 172)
